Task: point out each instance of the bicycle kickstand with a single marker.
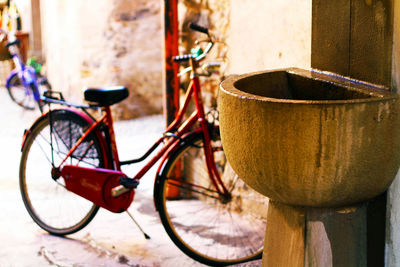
(140, 228)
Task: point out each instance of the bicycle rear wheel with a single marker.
(49, 203)
(20, 94)
(209, 230)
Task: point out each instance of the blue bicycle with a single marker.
(24, 84)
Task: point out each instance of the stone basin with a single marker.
(310, 138)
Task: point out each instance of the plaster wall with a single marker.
(103, 43)
(269, 34)
(392, 255)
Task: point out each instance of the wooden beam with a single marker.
(353, 38)
(371, 41)
(330, 44)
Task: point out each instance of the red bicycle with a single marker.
(70, 167)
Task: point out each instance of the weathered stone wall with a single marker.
(258, 34)
(103, 43)
(214, 15)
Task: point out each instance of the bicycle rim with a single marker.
(203, 227)
(20, 94)
(50, 204)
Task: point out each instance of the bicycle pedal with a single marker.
(128, 182)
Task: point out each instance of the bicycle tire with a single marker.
(234, 234)
(19, 94)
(54, 208)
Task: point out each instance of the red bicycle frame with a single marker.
(173, 134)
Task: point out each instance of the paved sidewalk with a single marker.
(110, 239)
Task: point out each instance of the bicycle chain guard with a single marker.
(95, 184)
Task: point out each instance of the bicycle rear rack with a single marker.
(56, 97)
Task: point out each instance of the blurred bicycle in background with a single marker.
(25, 83)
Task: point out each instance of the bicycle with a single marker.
(25, 83)
(67, 152)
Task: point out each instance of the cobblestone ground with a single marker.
(110, 239)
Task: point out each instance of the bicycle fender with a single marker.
(175, 146)
(27, 132)
(99, 135)
(178, 143)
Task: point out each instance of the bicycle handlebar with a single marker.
(183, 58)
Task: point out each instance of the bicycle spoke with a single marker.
(189, 187)
(201, 222)
(63, 146)
(85, 152)
(43, 150)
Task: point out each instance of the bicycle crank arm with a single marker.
(119, 190)
(126, 185)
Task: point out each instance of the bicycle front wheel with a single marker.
(207, 228)
(48, 202)
(20, 94)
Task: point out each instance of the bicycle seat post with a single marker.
(111, 136)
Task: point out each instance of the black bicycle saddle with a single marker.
(106, 96)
